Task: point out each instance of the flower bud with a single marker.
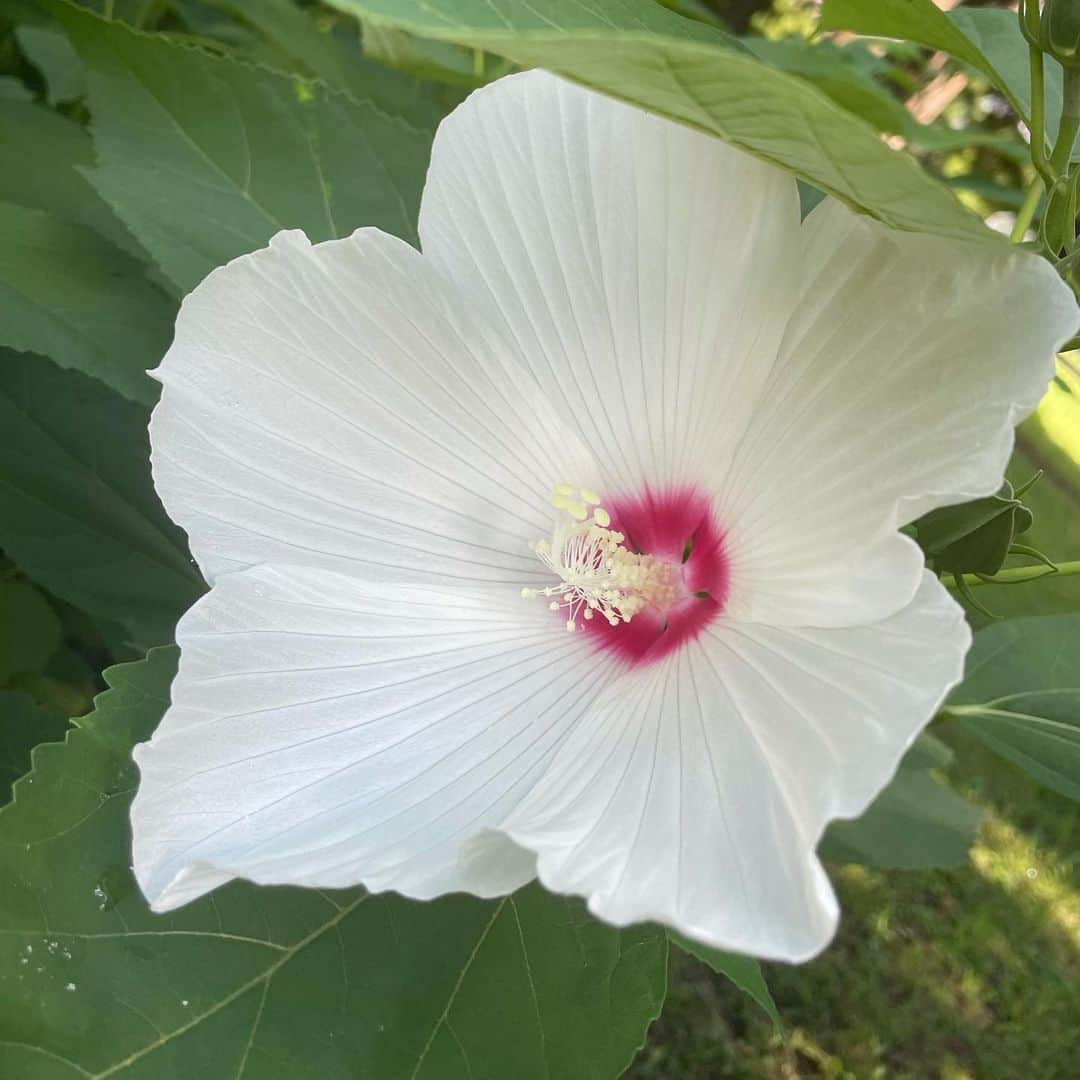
(1059, 31)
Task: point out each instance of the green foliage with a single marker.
(50, 51)
(45, 157)
(988, 39)
(1021, 697)
(696, 75)
(917, 822)
(29, 629)
(334, 54)
(205, 158)
(69, 294)
(23, 725)
(743, 971)
(1048, 441)
(281, 982)
(974, 537)
(78, 511)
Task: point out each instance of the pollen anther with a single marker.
(596, 572)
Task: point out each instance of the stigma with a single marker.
(598, 576)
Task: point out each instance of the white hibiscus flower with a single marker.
(623, 382)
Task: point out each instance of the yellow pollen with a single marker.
(596, 573)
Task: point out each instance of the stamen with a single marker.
(596, 573)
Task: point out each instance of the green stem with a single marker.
(1070, 123)
(107, 10)
(1026, 213)
(1038, 116)
(1021, 573)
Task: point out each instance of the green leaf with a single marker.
(335, 55)
(49, 50)
(13, 89)
(916, 823)
(973, 537)
(988, 39)
(682, 69)
(837, 73)
(70, 295)
(439, 60)
(23, 725)
(1021, 697)
(743, 971)
(909, 20)
(280, 982)
(44, 155)
(29, 629)
(78, 511)
(996, 34)
(205, 158)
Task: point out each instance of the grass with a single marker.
(969, 973)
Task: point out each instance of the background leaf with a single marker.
(78, 511)
(287, 983)
(45, 155)
(743, 971)
(1021, 697)
(29, 629)
(70, 295)
(334, 53)
(205, 158)
(49, 50)
(692, 73)
(23, 725)
(916, 823)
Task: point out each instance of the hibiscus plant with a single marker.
(526, 475)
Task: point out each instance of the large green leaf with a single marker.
(916, 823)
(23, 725)
(44, 155)
(77, 507)
(1021, 697)
(205, 158)
(642, 53)
(69, 294)
(281, 983)
(743, 971)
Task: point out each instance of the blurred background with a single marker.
(966, 973)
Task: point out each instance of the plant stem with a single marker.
(1038, 116)
(1021, 573)
(1026, 213)
(1070, 124)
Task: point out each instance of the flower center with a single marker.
(643, 575)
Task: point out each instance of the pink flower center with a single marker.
(676, 526)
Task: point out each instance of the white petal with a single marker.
(696, 792)
(644, 270)
(900, 378)
(339, 406)
(328, 732)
